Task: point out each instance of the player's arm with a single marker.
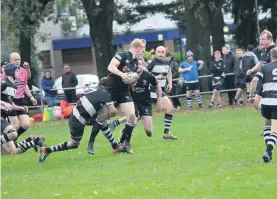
(115, 62)
(254, 82)
(169, 76)
(106, 98)
(29, 94)
(254, 69)
(200, 64)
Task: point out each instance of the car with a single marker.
(84, 82)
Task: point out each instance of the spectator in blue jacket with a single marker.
(48, 83)
(190, 69)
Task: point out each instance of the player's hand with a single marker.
(33, 100)
(200, 62)
(159, 77)
(25, 108)
(26, 65)
(189, 68)
(169, 87)
(249, 72)
(124, 76)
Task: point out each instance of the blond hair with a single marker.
(273, 53)
(267, 33)
(137, 43)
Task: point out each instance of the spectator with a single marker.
(218, 76)
(240, 76)
(69, 80)
(229, 63)
(48, 83)
(175, 75)
(249, 60)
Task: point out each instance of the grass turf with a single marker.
(217, 155)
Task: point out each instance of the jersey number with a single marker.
(274, 73)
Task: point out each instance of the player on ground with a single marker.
(8, 132)
(142, 100)
(190, 69)
(160, 67)
(218, 78)
(120, 65)
(266, 43)
(268, 78)
(20, 119)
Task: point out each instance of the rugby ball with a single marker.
(132, 78)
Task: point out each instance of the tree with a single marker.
(244, 14)
(25, 17)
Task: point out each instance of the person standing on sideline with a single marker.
(218, 79)
(48, 83)
(229, 63)
(190, 69)
(69, 80)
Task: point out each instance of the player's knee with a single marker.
(13, 135)
(25, 125)
(131, 118)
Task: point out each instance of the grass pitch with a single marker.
(217, 155)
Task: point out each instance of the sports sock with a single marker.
(266, 133)
(167, 122)
(271, 142)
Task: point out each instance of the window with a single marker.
(76, 57)
(46, 59)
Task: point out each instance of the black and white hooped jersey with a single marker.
(90, 104)
(159, 67)
(265, 56)
(127, 64)
(8, 90)
(268, 76)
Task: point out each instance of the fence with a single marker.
(42, 106)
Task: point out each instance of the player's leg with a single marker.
(168, 117)
(198, 98)
(189, 98)
(109, 135)
(8, 132)
(219, 100)
(24, 120)
(213, 99)
(270, 112)
(76, 134)
(128, 109)
(148, 124)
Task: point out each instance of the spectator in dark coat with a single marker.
(69, 80)
(48, 83)
(175, 75)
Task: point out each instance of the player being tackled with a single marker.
(88, 108)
